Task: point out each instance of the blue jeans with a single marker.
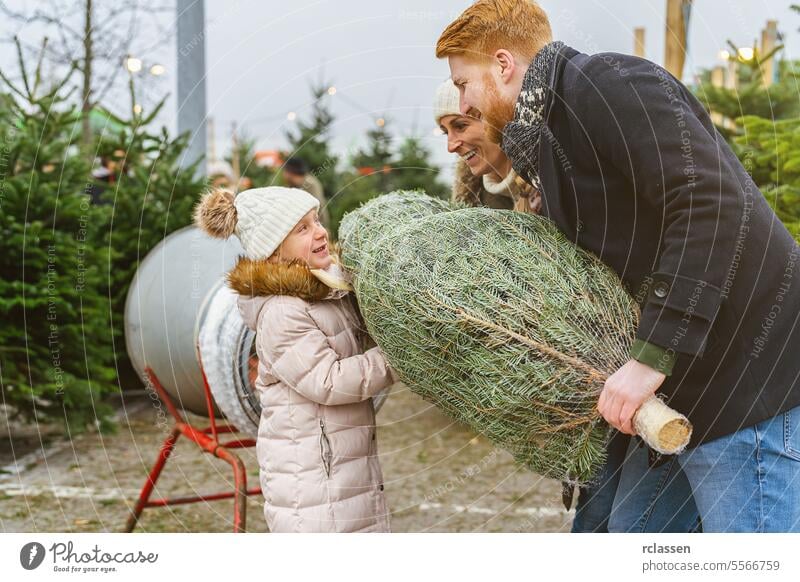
(630, 496)
(650, 500)
(749, 481)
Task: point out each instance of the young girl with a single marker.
(316, 443)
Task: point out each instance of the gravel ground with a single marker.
(439, 477)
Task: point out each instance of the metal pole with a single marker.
(237, 176)
(212, 141)
(191, 46)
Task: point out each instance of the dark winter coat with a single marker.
(632, 169)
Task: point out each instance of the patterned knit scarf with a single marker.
(521, 136)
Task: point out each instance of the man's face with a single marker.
(484, 88)
(469, 76)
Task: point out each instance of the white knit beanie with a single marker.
(446, 101)
(260, 217)
(266, 215)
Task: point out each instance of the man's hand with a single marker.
(625, 391)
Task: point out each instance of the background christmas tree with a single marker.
(149, 197)
(413, 170)
(311, 141)
(770, 150)
(380, 167)
(56, 358)
(761, 121)
(243, 156)
(74, 239)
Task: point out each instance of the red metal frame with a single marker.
(209, 444)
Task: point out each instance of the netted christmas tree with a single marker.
(500, 321)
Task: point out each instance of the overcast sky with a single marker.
(262, 55)
(379, 54)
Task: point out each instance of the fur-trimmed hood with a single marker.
(260, 277)
(256, 280)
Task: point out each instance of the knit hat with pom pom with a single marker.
(260, 217)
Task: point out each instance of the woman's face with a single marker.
(308, 242)
(466, 137)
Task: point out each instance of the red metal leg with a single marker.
(209, 444)
(155, 472)
(240, 489)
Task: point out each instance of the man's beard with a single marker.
(497, 111)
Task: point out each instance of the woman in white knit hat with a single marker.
(318, 369)
(483, 173)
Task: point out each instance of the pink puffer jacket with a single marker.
(316, 445)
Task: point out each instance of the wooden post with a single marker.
(769, 38)
(717, 80)
(718, 76)
(732, 83)
(732, 77)
(675, 42)
(638, 41)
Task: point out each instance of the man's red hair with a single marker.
(519, 26)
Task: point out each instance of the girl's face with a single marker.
(467, 138)
(308, 242)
